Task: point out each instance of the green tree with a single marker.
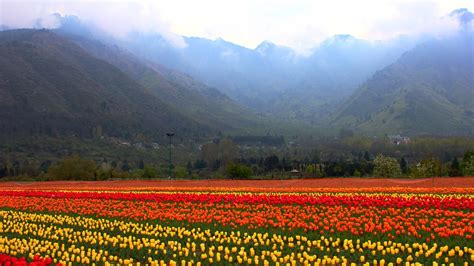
(228, 151)
(468, 163)
(189, 168)
(427, 168)
(141, 164)
(404, 166)
(104, 171)
(209, 153)
(271, 162)
(385, 166)
(367, 156)
(234, 170)
(455, 168)
(314, 170)
(150, 172)
(181, 172)
(73, 168)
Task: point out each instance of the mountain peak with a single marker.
(343, 37)
(340, 40)
(265, 44)
(264, 47)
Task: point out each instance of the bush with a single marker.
(427, 168)
(385, 166)
(234, 170)
(468, 163)
(73, 168)
(150, 172)
(181, 172)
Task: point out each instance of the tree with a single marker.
(367, 156)
(271, 162)
(385, 166)
(141, 164)
(189, 168)
(8, 166)
(234, 170)
(181, 172)
(209, 153)
(150, 172)
(455, 168)
(314, 170)
(228, 151)
(125, 167)
(73, 168)
(404, 165)
(44, 166)
(200, 164)
(468, 163)
(427, 168)
(104, 171)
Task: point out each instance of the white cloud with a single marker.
(299, 24)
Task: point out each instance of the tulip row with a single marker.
(81, 240)
(388, 222)
(7, 260)
(207, 189)
(465, 202)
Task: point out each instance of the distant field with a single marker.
(440, 182)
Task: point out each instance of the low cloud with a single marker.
(117, 18)
(464, 16)
(300, 25)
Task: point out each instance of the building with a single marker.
(398, 139)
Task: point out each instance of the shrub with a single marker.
(385, 166)
(150, 172)
(73, 168)
(468, 163)
(427, 168)
(234, 170)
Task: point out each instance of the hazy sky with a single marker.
(300, 24)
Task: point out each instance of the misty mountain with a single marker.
(241, 73)
(377, 87)
(332, 73)
(271, 79)
(204, 104)
(50, 85)
(428, 90)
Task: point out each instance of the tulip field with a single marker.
(238, 222)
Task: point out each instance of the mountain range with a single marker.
(57, 85)
(429, 89)
(76, 78)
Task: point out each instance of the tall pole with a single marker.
(169, 157)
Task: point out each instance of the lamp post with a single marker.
(169, 157)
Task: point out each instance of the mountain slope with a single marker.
(269, 79)
(332, 73)
(204, 104)
(429, 90)
(274, 79)
(50, 85)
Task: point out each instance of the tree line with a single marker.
(77, 168)
(224, 158)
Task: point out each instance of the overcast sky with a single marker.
(300, 24)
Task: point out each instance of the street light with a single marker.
(169, 158)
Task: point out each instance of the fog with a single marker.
(297, 24)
